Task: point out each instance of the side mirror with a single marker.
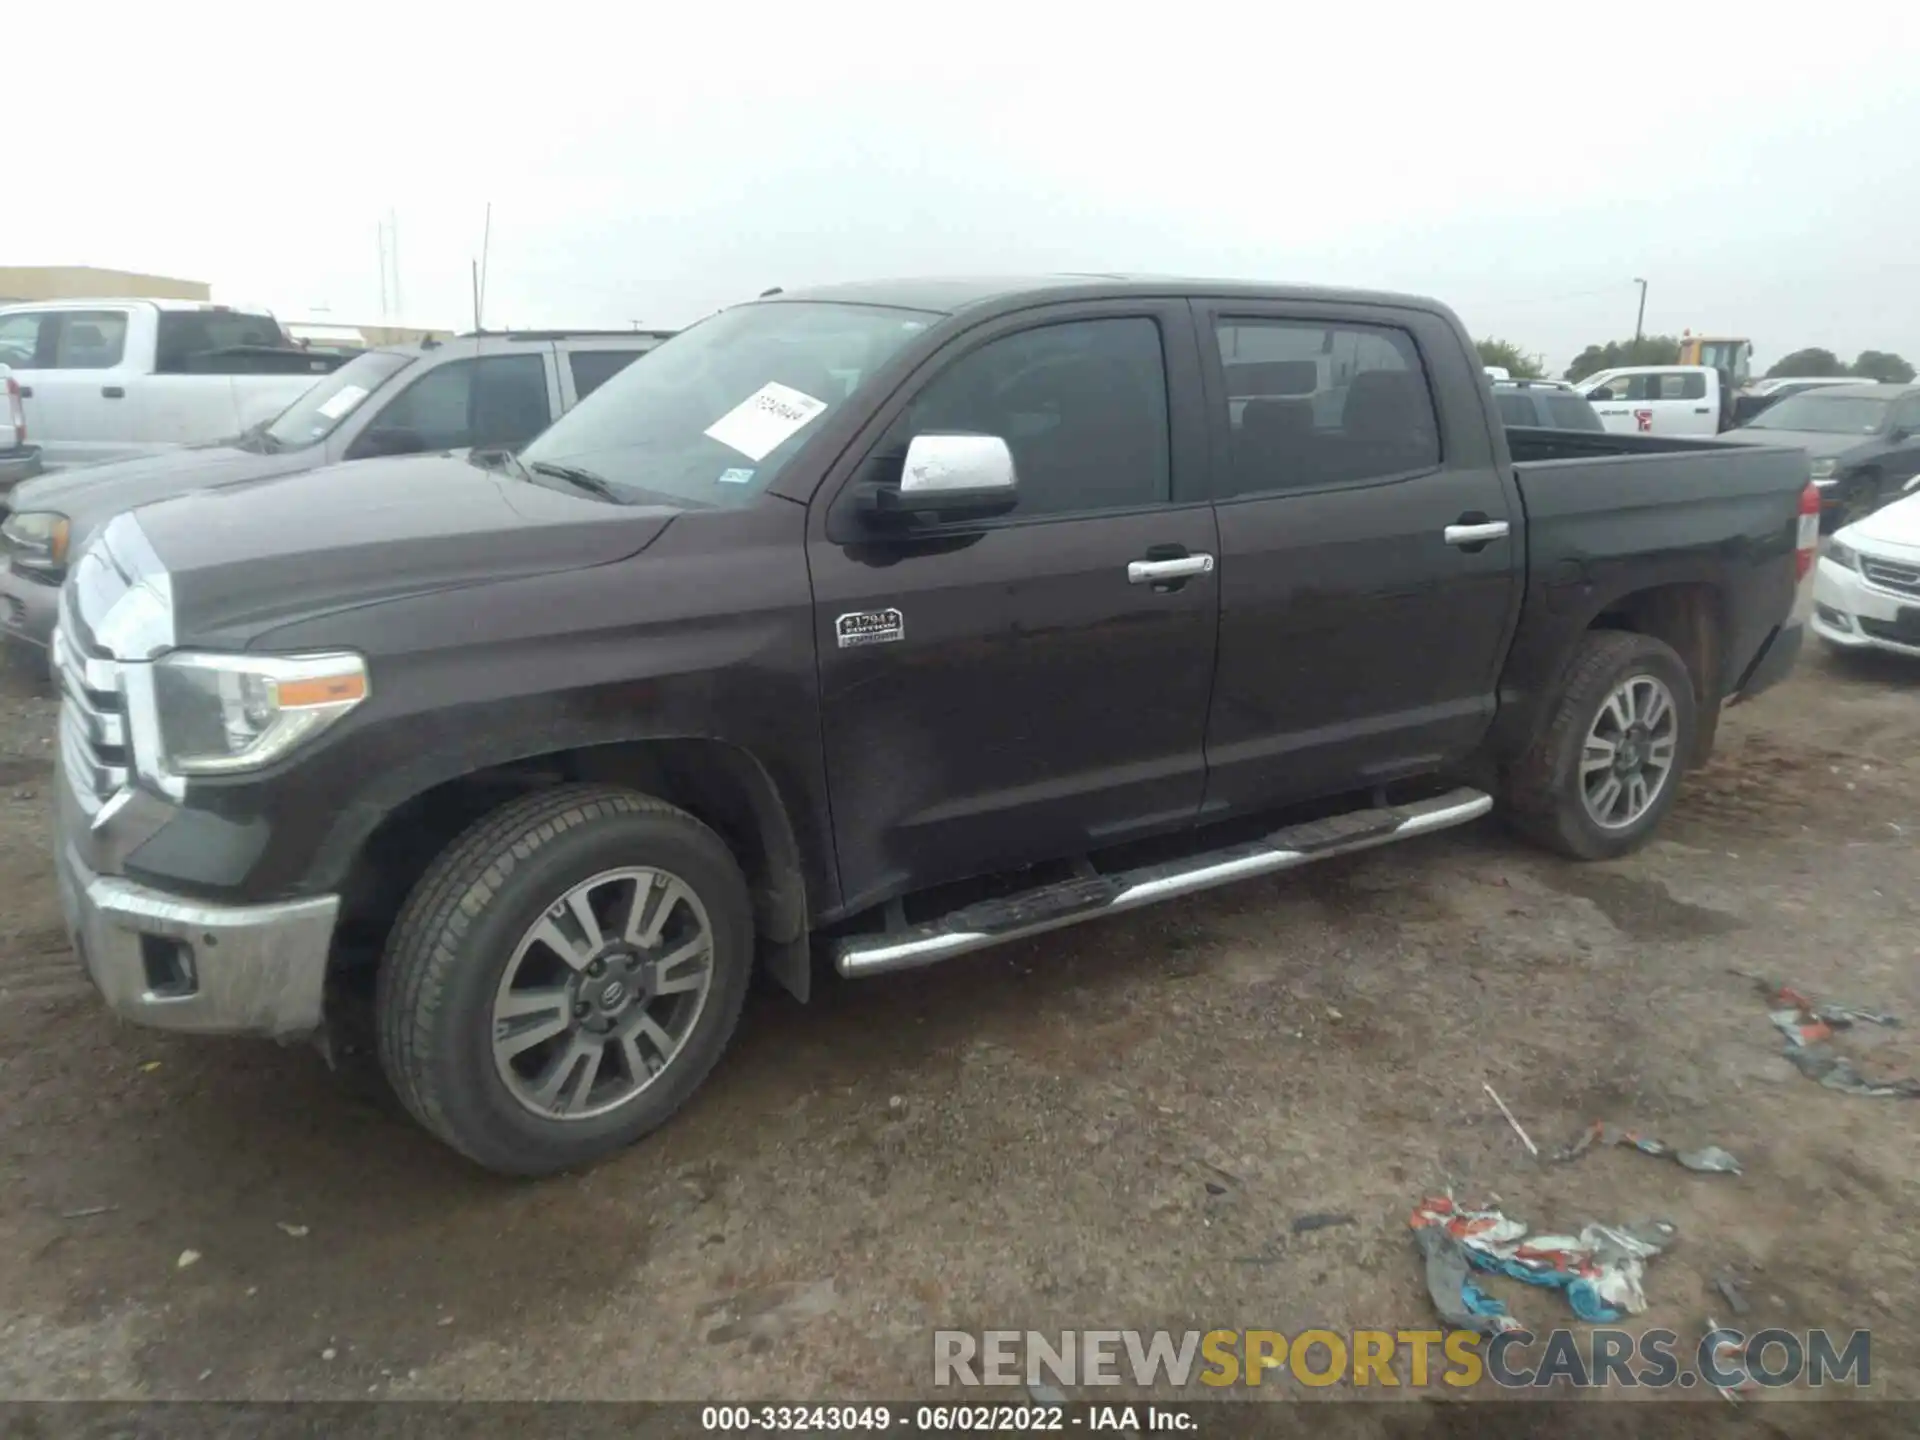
(954, 475)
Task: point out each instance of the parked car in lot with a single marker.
(476, 391)
(906, 618)
(1863, 439)
(103, 379)
(1659, 399)
(1866, 592)
(1544, 405)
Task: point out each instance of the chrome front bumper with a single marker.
(211, 969)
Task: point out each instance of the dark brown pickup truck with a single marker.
(884, 622)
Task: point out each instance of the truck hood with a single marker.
(92, 494)
(1819, 444)
(249, 557)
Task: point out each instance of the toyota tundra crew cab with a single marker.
(880, 623)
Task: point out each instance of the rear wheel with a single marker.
(1606, 770)
(564, 977)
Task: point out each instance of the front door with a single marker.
(1006, 691)
(1369, 556)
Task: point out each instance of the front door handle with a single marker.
(1156, 572)
(114, 392)
(1466, 535)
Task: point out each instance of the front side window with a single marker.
(1082, 405)
(1368, 413)
(493, 401)
(90, 340)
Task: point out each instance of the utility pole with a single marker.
(1640, 320)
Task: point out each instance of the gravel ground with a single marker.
(1098, 1128)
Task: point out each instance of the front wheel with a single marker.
(1606, 770)
(563, 977)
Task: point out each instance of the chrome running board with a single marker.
(1049, 907)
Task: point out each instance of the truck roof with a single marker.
(82, 302)
(952, 294)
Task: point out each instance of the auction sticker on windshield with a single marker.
(756, 426)
(343, 400)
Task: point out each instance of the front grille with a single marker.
(93, 722)
(1885, 574)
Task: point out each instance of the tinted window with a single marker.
(1083, 407)
(1515, 408)
(184, 334)
(1368, 412)
(20, 340)
(1570, 412)
(593, 368)
(89, 339)
(499, 400)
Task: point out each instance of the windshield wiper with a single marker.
(581, 479)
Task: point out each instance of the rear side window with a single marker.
(20, 339)
(1312, 404)
(89, 339)
(1515, 408)
(185, 336)
(494, 401)
(1082, 405)
(1678, 385)
(593, 368)
(1570, 412)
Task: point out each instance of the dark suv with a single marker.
(1544, 405)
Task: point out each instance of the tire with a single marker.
(472, 928)
(1547, 791)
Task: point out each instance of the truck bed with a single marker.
(1613, 513)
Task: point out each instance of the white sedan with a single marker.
(1866, 591)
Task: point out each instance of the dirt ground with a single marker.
(1112, 1126)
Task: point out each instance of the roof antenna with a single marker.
(776, 290)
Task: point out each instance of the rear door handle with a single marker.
(114, 392)
(1153, 572)
(1702, 410)
(1464, 535)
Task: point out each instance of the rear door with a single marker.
(1683, 402)
(996, 692)
(76, 390)
(1369, 560)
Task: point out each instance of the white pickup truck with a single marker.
(106, 379)
(1660, 400)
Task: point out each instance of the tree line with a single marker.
(1881, 366)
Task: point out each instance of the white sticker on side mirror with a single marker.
(756, 426)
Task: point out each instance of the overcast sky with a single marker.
(1761, 168)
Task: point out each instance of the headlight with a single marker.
(1843, 554)
(38, 539)
(217, 714)
(1823, 469)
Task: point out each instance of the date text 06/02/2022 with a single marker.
(940, 1418)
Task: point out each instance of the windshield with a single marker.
(1812, 413)
(716, 411)
(314, 416)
